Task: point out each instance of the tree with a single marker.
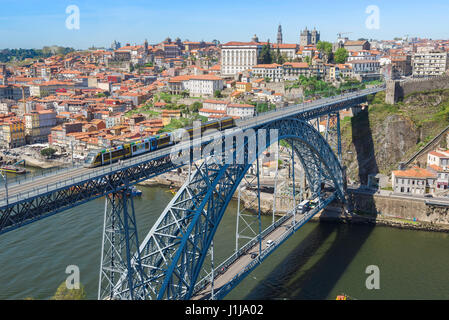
(217, 94)
(265, 54)
(48, 152)
(325, 48)
(341, 55)
(196, 106)
(63, 293)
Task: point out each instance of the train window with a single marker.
(147, 146)
(106, 156)
(153, 143)
(134, 148)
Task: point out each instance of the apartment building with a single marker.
(430, 64)
(38, 125)
(415, 181)
(12, 133)
(273, 71)
(292, 70)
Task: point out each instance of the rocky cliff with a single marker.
(382, 135)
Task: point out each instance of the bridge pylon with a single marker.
(120, 242)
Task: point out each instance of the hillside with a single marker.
(377, 139)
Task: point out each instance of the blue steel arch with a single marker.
(173, 252)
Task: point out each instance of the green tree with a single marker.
(217, 94)
(196, 106)
(341, 55)
(265, 54)
(63, 293)
(325, 47)
(48, 152)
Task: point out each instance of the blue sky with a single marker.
(35, 23)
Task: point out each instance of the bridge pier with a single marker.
(120, 242)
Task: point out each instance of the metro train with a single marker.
(98, 158)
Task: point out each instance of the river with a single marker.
(320, 261)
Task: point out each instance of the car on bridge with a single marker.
(270, 243)
(303, 207)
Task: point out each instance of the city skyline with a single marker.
(28, 26)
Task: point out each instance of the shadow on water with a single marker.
(319, 278)
(299, 278)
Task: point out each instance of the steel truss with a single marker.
(42, 202)
(173, 252)
(120, 242)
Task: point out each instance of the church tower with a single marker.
(279, 38)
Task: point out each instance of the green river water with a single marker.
(320, 261)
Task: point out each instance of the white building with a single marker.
(196, 85)
(203, 85)
(239, 56)
(428, 64)
(365, 66)
(415, 181)
(273, 71)
(287, 50)
(241, 110)
(438, 158)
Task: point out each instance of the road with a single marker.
(235, 268)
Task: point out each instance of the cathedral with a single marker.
(309, 37)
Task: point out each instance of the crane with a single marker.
(340, 33)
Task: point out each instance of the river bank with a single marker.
(32, 158)
(333, 214)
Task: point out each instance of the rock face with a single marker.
(380, 136)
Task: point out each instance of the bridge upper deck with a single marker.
(64, 179)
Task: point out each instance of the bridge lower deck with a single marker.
(245, 263)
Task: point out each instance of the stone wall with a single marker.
(397, 90)
(400, 208)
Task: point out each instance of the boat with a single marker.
(12, 169)
(344, 296)
(135, 192)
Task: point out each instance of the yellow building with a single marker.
(168, 115)
(243, 86)
(32, 125)
(13, 133)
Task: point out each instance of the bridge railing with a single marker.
(91, 174)
(17, 180)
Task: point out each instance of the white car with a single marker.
(270, 243)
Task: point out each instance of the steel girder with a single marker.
(40, 204)
(120, 241)
(174, 250)
(49, 203)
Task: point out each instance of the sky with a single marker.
(37, 23)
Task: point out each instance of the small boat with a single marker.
(12, 169)
(135, 192)
(173, 191)
(344, 296)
